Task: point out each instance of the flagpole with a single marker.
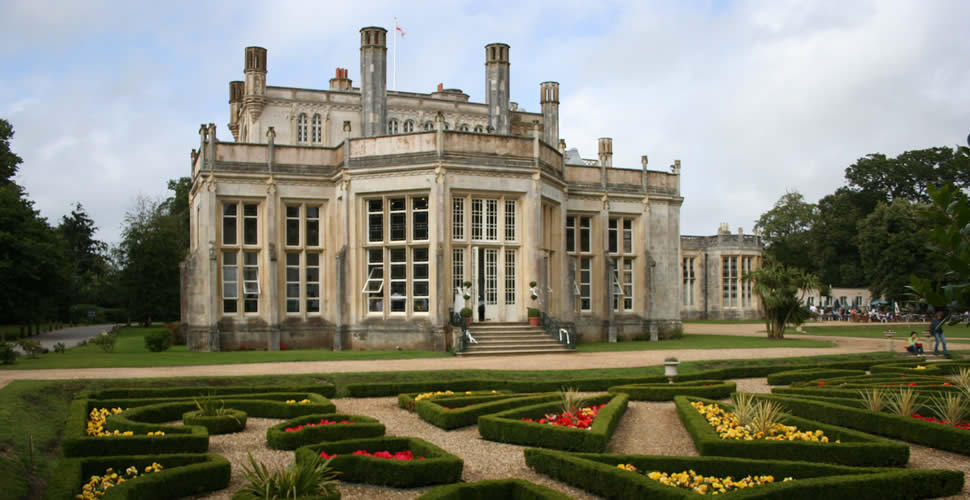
(395, 53)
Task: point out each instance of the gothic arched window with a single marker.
(392, 126)
(301, 128)
(317, 129)
(408, 126)
(428, 126)
(463, 127)
(479, 129)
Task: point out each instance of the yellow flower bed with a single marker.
(99, 416)
(293, 402)
(920, 367)
(727, 426)
(97, 485)
(690, 480)
(429, 395)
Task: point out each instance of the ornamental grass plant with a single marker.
(570, 400)
(873, 399)
(903, 402)
(310, 478)
(744, 407)
(951, 408)
(767, 414)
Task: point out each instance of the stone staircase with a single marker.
(504, 339)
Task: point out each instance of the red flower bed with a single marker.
(397, 455)
(566, 419)
(321, 422)
(963, 425)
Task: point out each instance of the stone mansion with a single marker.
(347, 218)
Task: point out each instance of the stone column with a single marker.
(270, 260)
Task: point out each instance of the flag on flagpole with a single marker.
(399, 30)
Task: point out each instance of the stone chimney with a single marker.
(373, 81)
(606, 151)
(255, 97)
(497, 87)
(237, 92)
(549, 100)
(340, 81)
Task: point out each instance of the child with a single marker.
(913, 346)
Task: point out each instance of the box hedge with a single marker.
(715, 389)
(913, 430)
(505, 489)
(441, 413)
(230, 421)
(855, 448)
(787, 377)
(326, 390)
(437, 467)
(599, 474)
(362, 427)
(507, 426)
(407, 401)
(183, 475)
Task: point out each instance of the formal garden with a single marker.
(860, 426)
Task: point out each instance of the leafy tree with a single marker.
(892, 247)
(177, 206)
(782, 292)
(785, 230)
(833, 237)
(32, 261)
(87, 262)
(910, 174)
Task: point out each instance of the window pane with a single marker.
(570, 234)
(229, 258)
(375, 206)
(293, 273)
(293, 290)
(420, 225)
(229, 273)
(229, 224)
(250, 210)
(249, 224)
(419, 203)
(584, 234)
(312, 259)
(292, 232)
(229, 291)
(627, 236)
(611, 234)
(399, 271)
(420, 271)
(397, 204)
(229, 306)
(421, 288)
(375, 227)
(510, 233)
(250, 305)
(251, 258)
(292, 211)
(458, 219)
(312, 233)
(399, 226)
(293, 259)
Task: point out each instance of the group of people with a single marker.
(914, 346)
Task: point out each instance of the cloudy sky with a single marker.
(755, 98)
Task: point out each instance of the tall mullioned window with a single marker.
(729, 281)
(458, 219)
(301, 128)
(491, 226)
(689, 278)
(579, 246)
(317, 129)
(746, 263)
(397, 241)
(620, 245)
(302, 243)
(240, 257)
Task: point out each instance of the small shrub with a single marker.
(767, 414)
(60, 347)
(873, 399)
(903, 402)
(950, 408)
(8, 355)
(744, 407)
(158, 341)
(31, 348)
(570, 400)
(309, 479)
(962, 379)
(106, 341)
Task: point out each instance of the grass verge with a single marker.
(698, 341)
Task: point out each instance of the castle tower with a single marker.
(255, 97)
(549, 99)
(237, 92)
(373, 81)
(497, 87)
(606, 151)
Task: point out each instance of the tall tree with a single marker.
(32, 262)
(782, 292)
(87, 255)
(833, 237)
(892, 246)
(785, 230)
(910, 174)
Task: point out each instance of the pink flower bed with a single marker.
(321, 422)
(963, 425)
(397, 455)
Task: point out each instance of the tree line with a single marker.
(60, 272)
(873, 231)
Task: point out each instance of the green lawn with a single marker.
(691, 341)
(723, 322)
(878, 330)
(38, 408)
(130, 351)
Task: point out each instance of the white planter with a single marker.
(670, 369)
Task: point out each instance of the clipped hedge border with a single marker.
(851, 391)
(433, 411)
(279, 397)
(507, 426)
(230, 421)
(178, 438)
(593, 384)
(787, 377)
(714, 389)
(325, 390)
(407, 401)
(913, 430)
(506, 489)
(438, 465)
(362, 427)
(908, 368)
(598, 474)
(856, 448)
(182, 475)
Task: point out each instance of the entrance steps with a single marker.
(505, 339)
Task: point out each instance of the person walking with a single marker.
(936, 329)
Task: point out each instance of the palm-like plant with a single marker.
(902, 402)
(781, 290)
(311, 478)
(950, 407)
(209, 406)
(962, 379)
(744, 407)
(570, 401)
(873, 399)
(767, 415)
